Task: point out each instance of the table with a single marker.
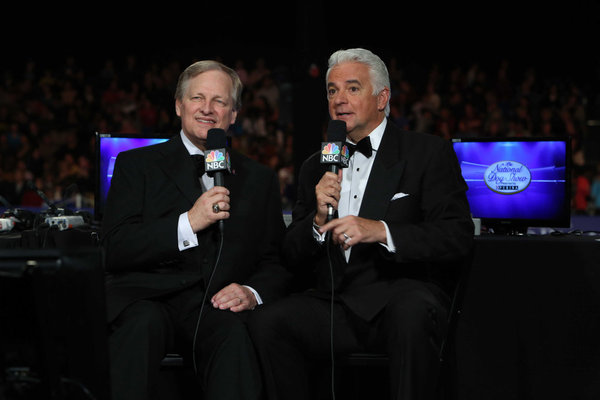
(530, 326)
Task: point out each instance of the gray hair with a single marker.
(380, 78)
(209, 65)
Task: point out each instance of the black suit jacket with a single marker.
(150, 188)
(416, 187)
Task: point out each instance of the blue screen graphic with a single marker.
(520, 180)
(109, 147)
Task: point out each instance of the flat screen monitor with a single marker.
(517, 183)
(108, 146)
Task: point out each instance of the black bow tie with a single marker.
(364, 146)
(199, 162)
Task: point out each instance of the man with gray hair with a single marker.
(175, 282)
(380, 268)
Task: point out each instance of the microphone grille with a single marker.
(216, 139)
(336, 131)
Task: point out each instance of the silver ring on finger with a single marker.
(348, 238)
(216, 209)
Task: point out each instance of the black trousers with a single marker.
(226, 364)
(291, 333)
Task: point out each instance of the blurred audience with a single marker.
(48, 115)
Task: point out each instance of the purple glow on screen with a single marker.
(109, 148)
(542, 198)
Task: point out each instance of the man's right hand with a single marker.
(327, 193)
(202, 215)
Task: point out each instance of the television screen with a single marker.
(108, 145)
(515, 183)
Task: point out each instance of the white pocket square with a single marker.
(399, 196)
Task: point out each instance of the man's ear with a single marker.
(178, 107)
(234, 114)
(383, 98)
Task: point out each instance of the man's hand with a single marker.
(234, 297)
(327, 193)
(202, 214)
(351, 230)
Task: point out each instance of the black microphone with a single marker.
(5, 202)
(334, 152)
(53, 209)
(216, 159)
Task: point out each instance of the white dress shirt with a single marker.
(354, 183)
(186, 238)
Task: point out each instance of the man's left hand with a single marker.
(351, 230)
(235, 298)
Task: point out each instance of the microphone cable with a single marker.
(332, 355)
(204, 301)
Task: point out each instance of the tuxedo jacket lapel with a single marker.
(178, 166)
(232, 180)
(385, 174)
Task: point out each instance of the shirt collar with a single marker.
(189, 145)
(376, 135)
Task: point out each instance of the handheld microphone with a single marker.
(334, 152)
(216, 160)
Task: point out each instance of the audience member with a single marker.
(595, 191)
(581, 200)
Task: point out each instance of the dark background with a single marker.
(558, 36)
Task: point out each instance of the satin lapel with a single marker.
(384, 178)
(234, 180)
(178, 165)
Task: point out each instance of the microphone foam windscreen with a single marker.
(216, 139)
(336, 131)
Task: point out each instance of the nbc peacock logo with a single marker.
(215, 155)
(345, 152)
(331, 148)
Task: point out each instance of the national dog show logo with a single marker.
(507, 177)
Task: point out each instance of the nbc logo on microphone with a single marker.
(345, 152)
(215, 161)
(330, 153)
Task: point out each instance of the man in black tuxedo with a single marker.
(175, 283)
(402, 225)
